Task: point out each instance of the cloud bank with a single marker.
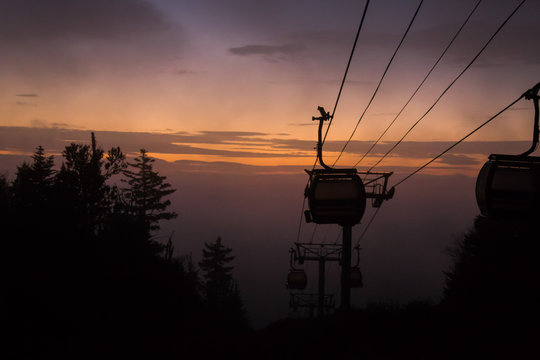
(215, 150)
(75, 37)
(35, 20)
(285, 49)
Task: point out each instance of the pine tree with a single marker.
(33, 184)
(42, 168)
(220, 289)
(218, 280)
(144, 196)
(5, 202)
(495, 267)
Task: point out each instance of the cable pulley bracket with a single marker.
(532, 93)
(376, 185)
(324, 115)
(316, 252)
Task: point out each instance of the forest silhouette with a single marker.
(82, 270)
(85, 276)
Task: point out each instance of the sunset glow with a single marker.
(222, 95)
(180, 76)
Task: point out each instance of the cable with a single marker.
(313, 234)
(346, 70)
(300, 222)
(380, 82)
(339, 235)
(337, 284)
(448, 88)
(422, 83)
(327, 272)
(458, 142)
(367, 227)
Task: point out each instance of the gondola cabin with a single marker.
(509, 185)
(336, 197)
(297, 280)
(356, 280)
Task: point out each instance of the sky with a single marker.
(222, 94)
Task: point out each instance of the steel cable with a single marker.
(460, 141)
(448, 87)
(380, 82)
(367, 227)
(422, 83)
(346, 70)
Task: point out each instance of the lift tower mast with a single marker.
(320, 253)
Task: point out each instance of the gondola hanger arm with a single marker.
(324, 116)
(357, 251)
(292, 258)
(532, 94)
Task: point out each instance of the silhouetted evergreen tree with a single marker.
(33, 185)
(5, 196)
(6, 216)
(216, 270)
(42, 168)
(220, 289)
(496, 267)
(144, 196)
(83, 194)
(32, 219)
(22, 187)
(491, 295)
(192, 272)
